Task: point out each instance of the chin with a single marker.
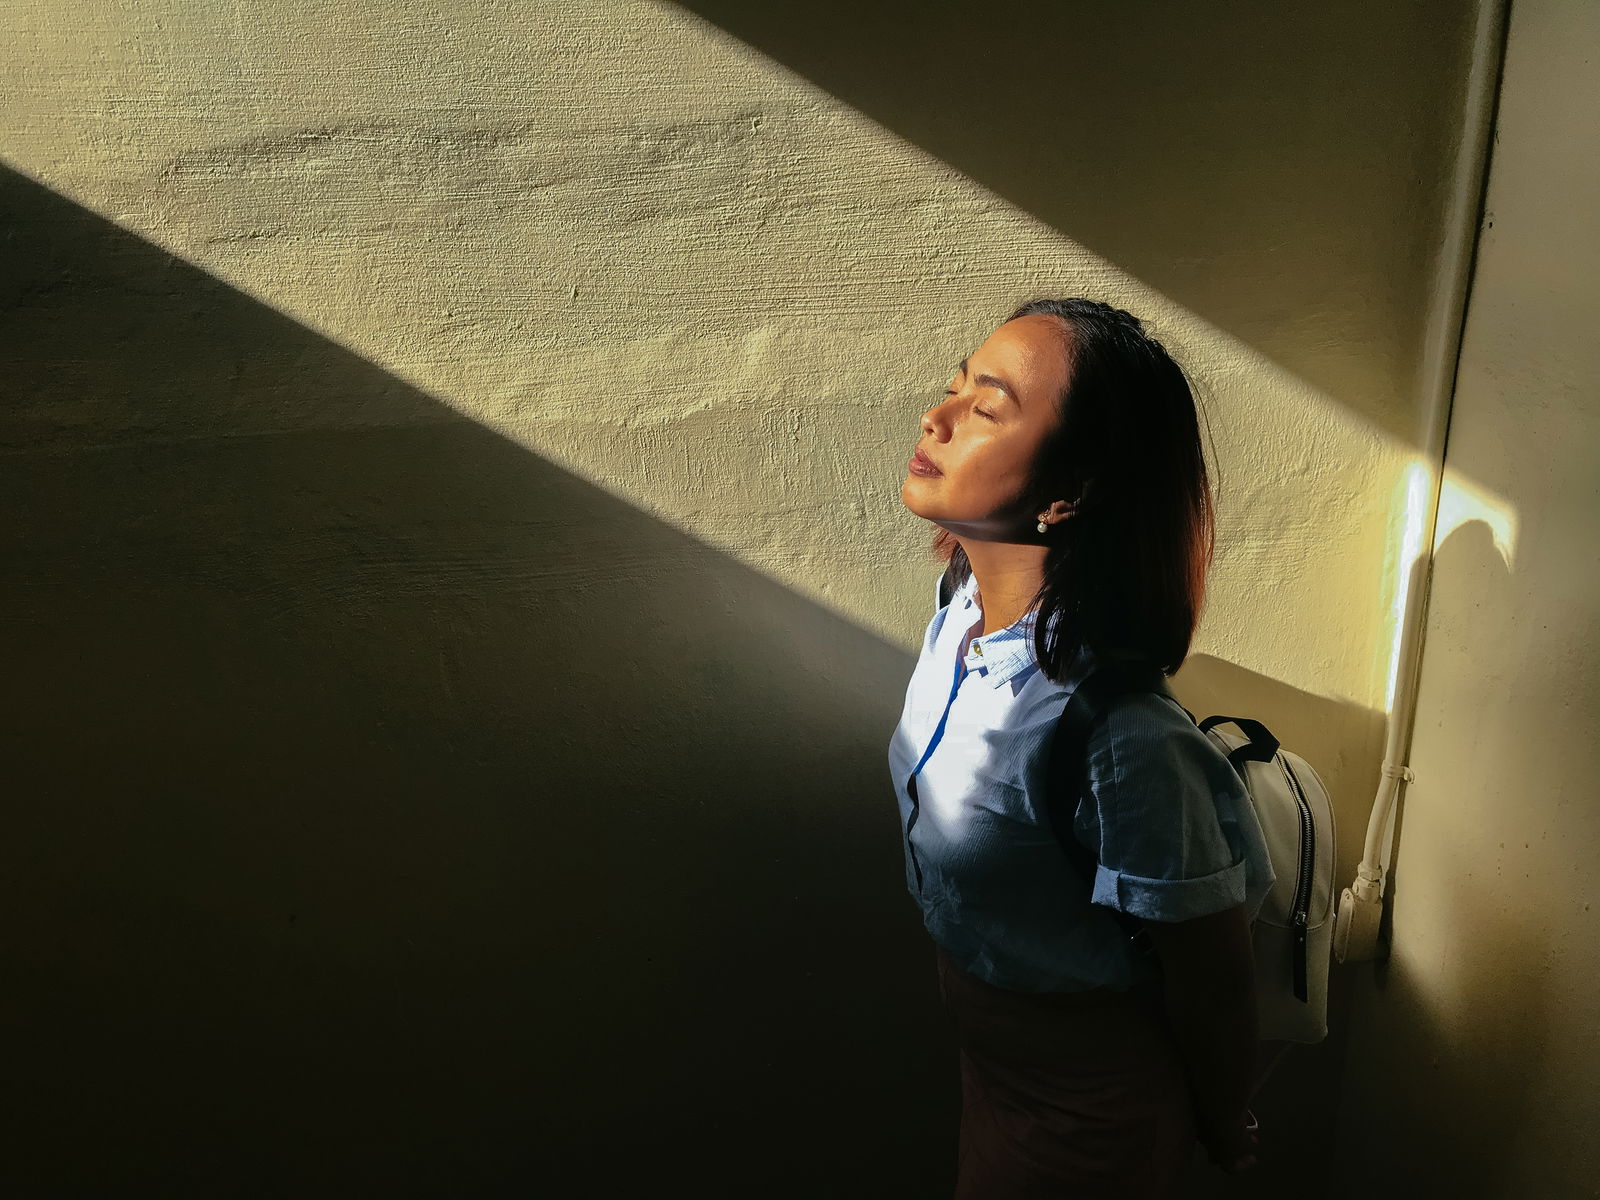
(908, 495)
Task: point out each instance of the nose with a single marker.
(934, 422)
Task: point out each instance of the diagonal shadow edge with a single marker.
(1285, 174)
(380, 776)
(374, 765)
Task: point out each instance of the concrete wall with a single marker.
(1475, 1048)
(457, 598)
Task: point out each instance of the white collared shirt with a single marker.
(1168, 821)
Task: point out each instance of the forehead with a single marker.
(1031, 352)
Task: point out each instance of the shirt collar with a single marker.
(997, 657)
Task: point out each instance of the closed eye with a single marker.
(981, 412)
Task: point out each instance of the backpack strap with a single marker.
(1262, 746)
(1067, 773)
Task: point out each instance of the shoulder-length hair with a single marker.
(1127, 570)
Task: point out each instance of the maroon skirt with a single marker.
(1066, 1094)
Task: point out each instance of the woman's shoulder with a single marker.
(1141, 714)
(1147, 737)
(1127, 680)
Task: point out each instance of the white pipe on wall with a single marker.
(1355, 936)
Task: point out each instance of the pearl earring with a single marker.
(1043, 527)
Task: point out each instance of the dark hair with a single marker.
(1127, 571)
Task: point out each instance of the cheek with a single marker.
(998, 469)
(988, 481)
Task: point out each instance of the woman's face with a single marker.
(977, 448)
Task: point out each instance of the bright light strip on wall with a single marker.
(1414, 489)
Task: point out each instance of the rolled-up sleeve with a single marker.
(1168, 820)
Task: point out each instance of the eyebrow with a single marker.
(993, 381)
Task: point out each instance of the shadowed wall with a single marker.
(370, 840)
(1476, 1046)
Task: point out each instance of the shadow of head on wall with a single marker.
(1480, 919)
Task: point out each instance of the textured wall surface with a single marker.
(457, 598)
(1476, 1047)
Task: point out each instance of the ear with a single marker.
(1058, 511)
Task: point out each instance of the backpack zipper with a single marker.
(1300, 913)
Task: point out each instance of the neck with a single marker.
(1008, 577)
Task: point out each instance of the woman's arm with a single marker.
(1207, 971)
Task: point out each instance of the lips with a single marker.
(922, 464)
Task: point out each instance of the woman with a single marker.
(1065, 473)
